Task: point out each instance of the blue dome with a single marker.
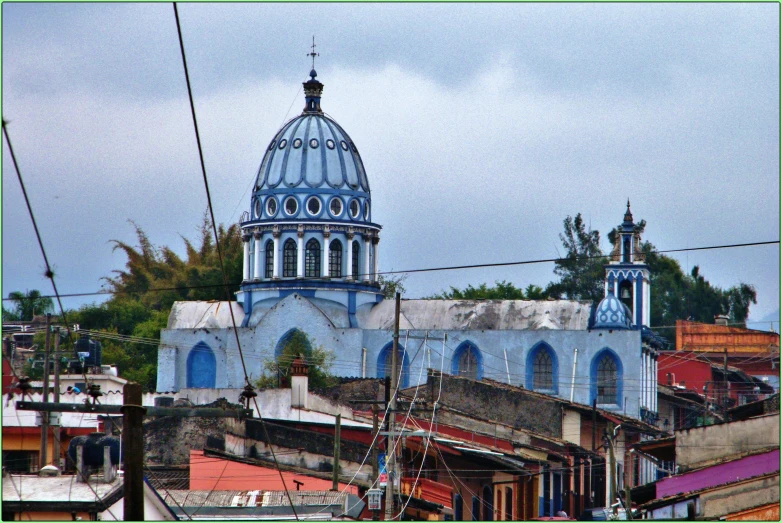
(311, 170)
(312, 151)
(612, 314)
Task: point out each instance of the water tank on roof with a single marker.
(86, 345)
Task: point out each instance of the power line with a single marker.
(411, 271)
(220, 257)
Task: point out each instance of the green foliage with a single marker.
(390, 285)
(581, 270)
(156, 277)
(502, 290)
(277, 370)
(27, 305)
(152, 280)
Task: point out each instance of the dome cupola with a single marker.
(612, 314)
(310, 220)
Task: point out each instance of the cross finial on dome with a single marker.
(313, 54)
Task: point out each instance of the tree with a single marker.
(581, 272)
(157, 277)
(390, 285)
(319, 360)
(27, 305)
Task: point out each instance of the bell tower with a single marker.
(627, 275)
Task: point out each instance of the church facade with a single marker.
(311, 251)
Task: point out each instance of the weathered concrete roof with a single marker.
(204, 314)
(54, 489)
(481, 315)
(244, 498)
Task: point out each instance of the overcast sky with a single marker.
(481, 128)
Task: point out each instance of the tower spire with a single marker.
(312, 87)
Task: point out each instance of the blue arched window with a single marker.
(467, 361)
(542, 368)
(201, 369)
(289, 258)
(384, 363)
(286, 338)
(605, 378)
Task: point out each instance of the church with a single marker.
(311, 263)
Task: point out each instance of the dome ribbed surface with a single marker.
(312, 151)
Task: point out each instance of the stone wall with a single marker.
(703, 446)
(508, 405)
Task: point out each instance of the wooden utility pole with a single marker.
(133, 450)
(57, 452)
(629, 484)
(390, 446)
(337, 430)
(42, 461)
(725, 385)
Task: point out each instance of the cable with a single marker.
(448, 268)
(220, 255)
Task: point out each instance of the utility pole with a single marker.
(390, 446)
(629, 485)
(725, 385)
(42, 461)
(337, 431)
(133, 450)
(56, 399)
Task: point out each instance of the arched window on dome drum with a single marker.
(606, 380)
(289, 259)
(335, 259)
(269, 270)
(355, 259)
(543, 371)
(312, 259)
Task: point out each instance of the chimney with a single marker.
(299, 383)
(721, 319)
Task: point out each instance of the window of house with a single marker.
(335, 259)
(312, 259)
(271, 206)
(289, 258)
(313, 205)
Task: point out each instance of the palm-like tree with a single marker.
(27, 305)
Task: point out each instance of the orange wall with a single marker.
(208, 473)
(764, 513)
(705, 337)
(51, 516)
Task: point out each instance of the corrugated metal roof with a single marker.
(243, 498)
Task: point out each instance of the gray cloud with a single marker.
(481, 127)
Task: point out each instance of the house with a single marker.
(754, 352)
(723, 469)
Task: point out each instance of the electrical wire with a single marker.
(220, 255)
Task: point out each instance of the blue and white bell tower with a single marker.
(627, 275)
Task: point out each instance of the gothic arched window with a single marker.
(335, 259)
(269, 259)
(606, 380)
(312, 259)
(201, 369)
(355, 259)
(543, 371)
(385, 363)
(467, 361)
(289, 259)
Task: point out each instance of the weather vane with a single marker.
(312, 53)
